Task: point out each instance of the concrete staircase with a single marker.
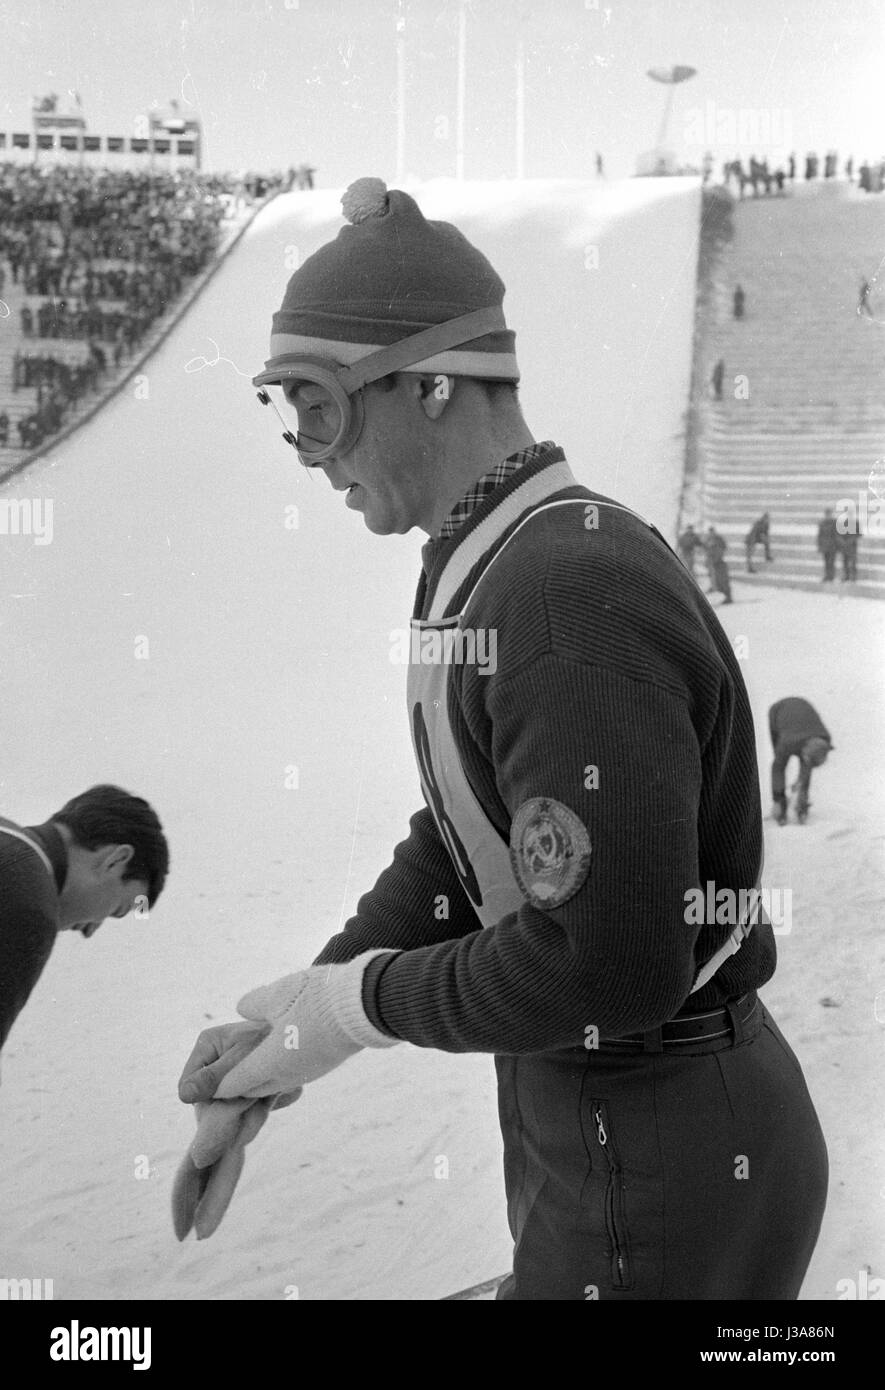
(811, 430)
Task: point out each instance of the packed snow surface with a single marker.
(190, 636)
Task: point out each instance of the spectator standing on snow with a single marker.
(758, 535)
(718, 377)
(828, 544)
(716, 546)
(687, 544)
(846, 546)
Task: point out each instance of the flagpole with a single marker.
(459, 122)
(400, 101)
(81, 131)
(668, 107)
(520, 109)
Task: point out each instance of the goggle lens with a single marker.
(311, 418)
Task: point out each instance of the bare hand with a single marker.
(216, 1052)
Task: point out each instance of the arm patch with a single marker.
(549, 852)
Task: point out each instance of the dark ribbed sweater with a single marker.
(28, 915)
(607, 654)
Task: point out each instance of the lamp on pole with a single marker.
(671, 78)
(520, 108)
(460, 90)
(523, 17)
(400, 97)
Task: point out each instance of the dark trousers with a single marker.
(784, 750)
(722, 579)
(698, 1172)
(829, 564)
(751, 549)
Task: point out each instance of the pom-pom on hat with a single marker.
(388, 275)
(364, 198)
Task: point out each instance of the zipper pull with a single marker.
(600, 1127)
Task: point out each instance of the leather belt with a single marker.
(690, 1028)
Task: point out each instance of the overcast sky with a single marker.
(276, 82)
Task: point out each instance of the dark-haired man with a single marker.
(103, 854)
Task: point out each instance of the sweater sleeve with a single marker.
(618, 954)
(417, 901)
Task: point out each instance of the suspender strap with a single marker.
(545, 507)
(38, 850)
(533, 495)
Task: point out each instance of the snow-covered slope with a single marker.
(267, 649)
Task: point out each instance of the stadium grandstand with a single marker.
(97, 256)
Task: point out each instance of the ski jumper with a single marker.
(580, 780)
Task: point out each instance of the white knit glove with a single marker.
(317, 1021)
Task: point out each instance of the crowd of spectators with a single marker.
(102, 254)
(758, 176)
(59, 385)
(88, 318)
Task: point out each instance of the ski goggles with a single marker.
(319, 402)
(319, 416)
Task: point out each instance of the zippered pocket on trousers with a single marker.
(615, 1221)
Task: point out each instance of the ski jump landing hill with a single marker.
(211, 628)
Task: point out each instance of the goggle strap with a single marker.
(437, 338)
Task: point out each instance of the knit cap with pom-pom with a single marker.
(389, 274)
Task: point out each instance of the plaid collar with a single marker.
(485, 485)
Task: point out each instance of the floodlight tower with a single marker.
(670, 77)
